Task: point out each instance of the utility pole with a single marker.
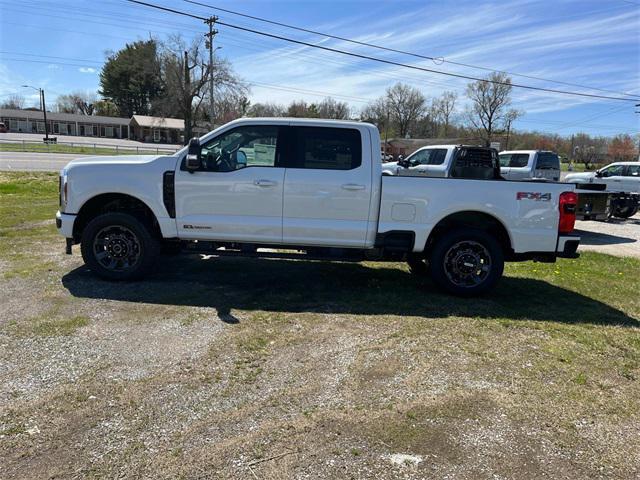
(638, 111)
(187, 108)
(209, 44)
(43, 107)
(44, 113)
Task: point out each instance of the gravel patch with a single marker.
(615, 237)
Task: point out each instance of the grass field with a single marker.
(88, 149)
(577, 167)
(238, 368)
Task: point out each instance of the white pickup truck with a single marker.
(447, 161)
(311, 189)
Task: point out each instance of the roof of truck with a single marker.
(299, 121)
(526, 151)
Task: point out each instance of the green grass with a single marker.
(88, 149)
(577, 167)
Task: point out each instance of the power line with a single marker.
(381, 60)
(436, 60)
(49, 56)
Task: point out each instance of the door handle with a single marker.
(265, 183)
(352, 186)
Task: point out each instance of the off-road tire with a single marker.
(121, 241)
(470, 252)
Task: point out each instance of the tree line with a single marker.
(170, 79)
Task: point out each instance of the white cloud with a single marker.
(587, 49)
(87, 70)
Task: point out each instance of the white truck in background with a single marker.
(315, 189)
(619, 182)
(447, 161)
(530, 165)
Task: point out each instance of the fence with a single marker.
(81, 147)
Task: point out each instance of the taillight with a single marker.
(568, 204)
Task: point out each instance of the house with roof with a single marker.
(139, 127)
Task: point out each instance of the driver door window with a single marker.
(242, 147)
(431, 156)
(613, 171)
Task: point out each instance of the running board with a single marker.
(356, 256)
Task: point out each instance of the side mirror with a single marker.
(193, 161)
(404, 163)
(599, 174)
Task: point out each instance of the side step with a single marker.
(331, 254)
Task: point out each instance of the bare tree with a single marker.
(300, 108)
(511, 116)
(490, 100)
(442, 109)
(406, 105)
(81, 103)
(231, 103)
(266, 110)
(14, 102)
(185, 74)
(330, 108)
(106, 108)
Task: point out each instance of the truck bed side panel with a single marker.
(528, 211)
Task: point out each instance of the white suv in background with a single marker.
(530, 165)
(618, 177)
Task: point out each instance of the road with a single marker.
(108, 142)
(40, 162)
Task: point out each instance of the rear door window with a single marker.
(613, 171)
(516, 160)
(633, 171)
(548, 161)
(326, 148)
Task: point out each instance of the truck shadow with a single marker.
(306, 286)
(595, 238)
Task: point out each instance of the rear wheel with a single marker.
(625, 212)
(118, 246)
(466, 262)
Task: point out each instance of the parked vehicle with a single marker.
(618, 177)
(454, 161)
(314, 187)
(530, 165)
(3, 128)
(621, 181)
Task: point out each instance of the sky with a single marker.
(61, 45)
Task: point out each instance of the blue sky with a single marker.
(593, 43)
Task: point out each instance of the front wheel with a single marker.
(466, 262)
(118, 246)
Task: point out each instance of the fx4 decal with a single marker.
(537, 196)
